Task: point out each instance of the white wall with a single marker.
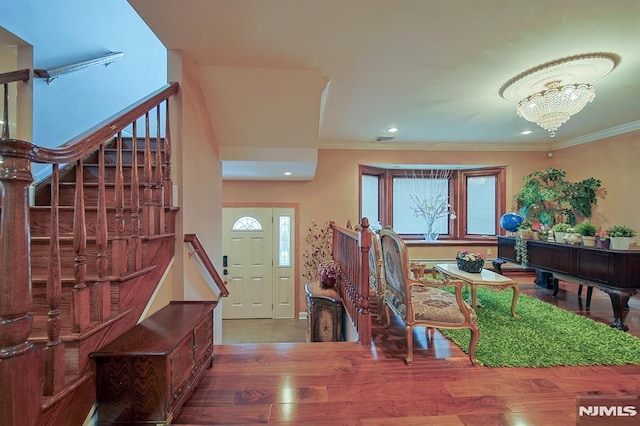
(68, 31)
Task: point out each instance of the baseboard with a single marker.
(302, 315)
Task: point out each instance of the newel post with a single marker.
(20, 370)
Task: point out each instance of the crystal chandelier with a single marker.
(551, 93)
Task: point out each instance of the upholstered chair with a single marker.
(424, 302)
(376, 273)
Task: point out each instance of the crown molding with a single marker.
(434, 146)
(607, 133)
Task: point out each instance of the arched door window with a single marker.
(246, 223)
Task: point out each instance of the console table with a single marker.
(616, 272)
(145, 375)
(324, 313)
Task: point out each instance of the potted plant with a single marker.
(548, 197)
(620, 236)
(588, 232)
(525, 230)
(329, 271)
(559, 230)
(602, 239)
(572, 236)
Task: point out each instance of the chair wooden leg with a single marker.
(409, 331)
(475, 335)
(387, 313)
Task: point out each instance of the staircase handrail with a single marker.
(76, 148)
(13, 76)
(53, 73)
(202, 253)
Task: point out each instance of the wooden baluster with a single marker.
(135, 245)
(53, 353)
(20, 377)
(119, 244)
(168, 184)
(148, 223)
(80, 293)
(5, 114)
(159, 197)
(102, 287)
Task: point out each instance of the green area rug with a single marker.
(542, 336)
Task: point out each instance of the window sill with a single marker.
(488, 241)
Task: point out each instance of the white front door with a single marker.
(258, 247)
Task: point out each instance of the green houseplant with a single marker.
(588, 232)
(548, 197)
(586, 229)
(620, 236)
(559, 229)
(621, 231)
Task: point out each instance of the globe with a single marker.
(511, 221)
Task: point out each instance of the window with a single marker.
(246, 223)
(370, 201)
(481, 202)
(474, 199)
(284, 241)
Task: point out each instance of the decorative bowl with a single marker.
(474, 266)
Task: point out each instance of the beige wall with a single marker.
(333, 193)
(197, 177)
(616, 162)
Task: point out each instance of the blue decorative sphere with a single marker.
(511, 221)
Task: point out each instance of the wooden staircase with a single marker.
(81, 262)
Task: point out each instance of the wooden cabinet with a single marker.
(324, 313)
(146, 375)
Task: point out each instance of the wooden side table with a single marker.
(324, 310)
(485, 278)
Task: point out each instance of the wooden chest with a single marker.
(146, 375)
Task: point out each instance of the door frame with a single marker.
(296, 237)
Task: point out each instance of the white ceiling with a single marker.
(349, 69)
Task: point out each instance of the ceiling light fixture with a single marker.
(392, 129)
(551, 93)
(526, 132)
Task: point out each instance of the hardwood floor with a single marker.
(263, 331)
(348, 384)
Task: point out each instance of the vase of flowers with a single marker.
(470, 262)
(430, 198)
(329, 271)
(602, 239)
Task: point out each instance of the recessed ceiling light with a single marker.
(526, 132)
(392, 129)
(287, 173)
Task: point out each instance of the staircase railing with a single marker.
(19, 380)
(208, 265)
(351, 250)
